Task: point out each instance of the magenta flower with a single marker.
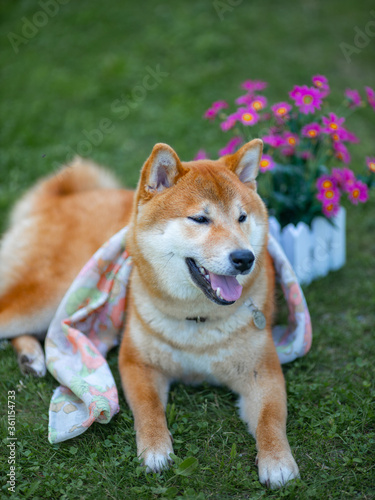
(218, 105)
(293, 94)
(231, 146)
(305, 155)
(354, 98)
(347, 136)
(370, 163)
(248, 116)
(341, 152)
(330, 209)
(328, 193)
(358, 192)
(273, 140)
(311, 130)
(291, 139)
(281, 109)
(229, 122)
(288, 151)
(211, 113)
(244, 99)
(253, 85)
(267, 163)
(258, 103)
(201, 155)
(325, 182)
(321, 83)
(308, 99)
(332, 124)
(370, 93)
(344, 178)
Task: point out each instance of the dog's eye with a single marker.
(200, 219)
(242, 218)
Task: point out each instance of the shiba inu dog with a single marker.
(198, 239)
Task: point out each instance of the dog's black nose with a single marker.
(242, 260)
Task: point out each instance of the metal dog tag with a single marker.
(259, 319)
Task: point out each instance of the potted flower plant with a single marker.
(302, 139)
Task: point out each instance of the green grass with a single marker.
(66, 80)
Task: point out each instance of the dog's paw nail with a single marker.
(32, 365)
(275, 472)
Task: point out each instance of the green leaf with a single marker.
(187, 467)
(233, 451)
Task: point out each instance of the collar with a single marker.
(258, 316)
(198, 319)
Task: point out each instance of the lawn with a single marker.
(77, 84)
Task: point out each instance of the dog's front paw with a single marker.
(157, 456)
(275, 470)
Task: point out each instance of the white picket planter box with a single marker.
(316, 251)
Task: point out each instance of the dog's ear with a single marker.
(162, 170)
(245, 163)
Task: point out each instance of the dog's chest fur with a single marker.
(222, 347)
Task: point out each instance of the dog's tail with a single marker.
(77, 176)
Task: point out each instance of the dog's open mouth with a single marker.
(223, 290)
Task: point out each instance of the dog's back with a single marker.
(54, 229)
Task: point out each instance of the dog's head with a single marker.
(199, 227)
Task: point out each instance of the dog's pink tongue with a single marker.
(230, 289)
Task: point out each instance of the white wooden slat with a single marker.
(322, 233)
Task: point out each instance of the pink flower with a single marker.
(325, 182)
(274, 140)
(308, 99)
(341, 152)
(218, 105)
(370, 163)
(370, 93)
(288, 151)
(305, 155)
(258, 103)
(201, 155)
(229, 122)
(329, 196)
(245, 99)
(231, 146)
(358, 192)
(330, 209)
(354, 98)
(332, 124)
(311, 130)
(267, 163)
(253, 85)
(344, 178)
(291, 139)
(248, 116)
(293, 94)
(347, 136)
(211, 113)
(281, 109)
(321, 83)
